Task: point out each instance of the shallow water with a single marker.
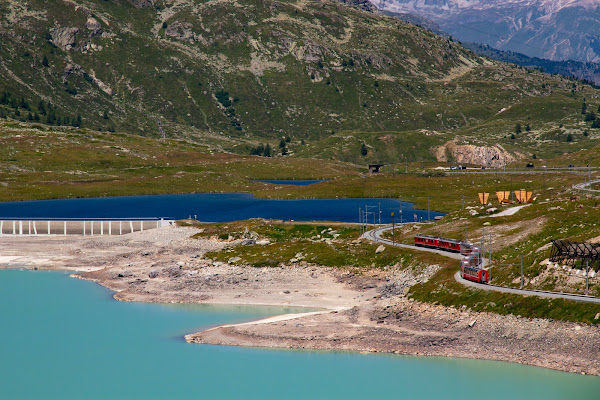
(209, 207)
(64, 338)
(292, 182)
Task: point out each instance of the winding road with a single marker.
(375, 235)
(587, 185)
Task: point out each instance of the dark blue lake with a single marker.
(211, 207)
(291, 182)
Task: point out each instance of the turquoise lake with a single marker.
(64, 338)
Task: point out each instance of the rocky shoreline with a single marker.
(413, 328)
(367, 312)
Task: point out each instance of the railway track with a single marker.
(375, 235)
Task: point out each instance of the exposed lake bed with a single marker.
(360, 319)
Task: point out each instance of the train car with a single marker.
(470, 268)
(475, 274)
(438, 243)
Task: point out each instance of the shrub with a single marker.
(223, 98)
(363, 150)
(591, 116)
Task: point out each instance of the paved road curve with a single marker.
(376, 236)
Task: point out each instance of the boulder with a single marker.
(93, 25)
(233, 260)
(142, 3)
(380, 249)
(64, 37)
(153, 274)
(248, 242)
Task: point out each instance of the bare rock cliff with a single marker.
(488, 156)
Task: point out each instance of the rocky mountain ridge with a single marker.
(552, 29)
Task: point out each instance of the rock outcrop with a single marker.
(487, 156)
(142, 3)
(181, 31)
(64, 37)
(362, 4)
(94, 26)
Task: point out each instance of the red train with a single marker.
(453, 245)
(470, 266)
(471, 269)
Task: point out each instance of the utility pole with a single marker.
(380, 213)
(587, 272)
(405, 166)
(400, 212)
(367, 212)
(482, 254)
(490, 261)
(393, 228)
(463, 201)
(359, 223)
(428, 211)
(522, 278)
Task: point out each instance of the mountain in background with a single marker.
(552, 29)
(584, 71)
(313, 79)
(223, 71)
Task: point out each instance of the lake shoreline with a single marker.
(167, 266)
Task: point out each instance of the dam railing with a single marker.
(81, 227)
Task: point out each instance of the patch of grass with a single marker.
(340, 254)
(444, 289)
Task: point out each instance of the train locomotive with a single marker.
(471, 267)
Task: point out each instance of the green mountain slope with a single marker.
(232, 73)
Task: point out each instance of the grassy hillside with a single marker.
(41, 163)
(231, 74)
